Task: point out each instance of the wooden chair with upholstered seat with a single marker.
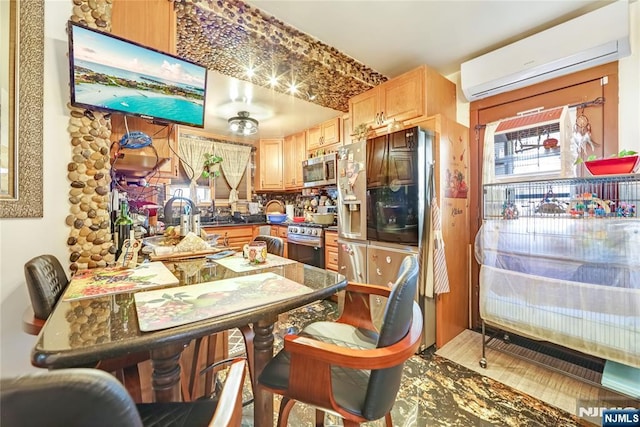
(90, 397)
(346, 366)
(46, 282)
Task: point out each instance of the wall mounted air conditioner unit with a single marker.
(592, 39)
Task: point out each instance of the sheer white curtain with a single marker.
(489, 167)
(192, 155)
(489, 154)
(234, 165)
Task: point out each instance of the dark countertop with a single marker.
(232, 224)
(60, 345)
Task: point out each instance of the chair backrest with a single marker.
(385, 383)
(66, 398)
(46, 281)
(275, 245)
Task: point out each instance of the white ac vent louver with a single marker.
(592, 39)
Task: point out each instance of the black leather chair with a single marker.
(46, 282)
(275, 245)
(90, 397)
(346, 366)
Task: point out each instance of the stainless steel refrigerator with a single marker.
(383, 209)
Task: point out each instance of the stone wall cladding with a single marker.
(227, 36)
(90, 241)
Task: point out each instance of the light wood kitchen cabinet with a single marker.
(236, 236)
(269, 177)
(331, 250)
(126, 23)
(295, 152)
(417, 93)
(324, 134)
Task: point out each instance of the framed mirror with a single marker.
(21, 108)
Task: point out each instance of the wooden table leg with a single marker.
(166, 373)
(263, 353)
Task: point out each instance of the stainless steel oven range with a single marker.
(306, 243)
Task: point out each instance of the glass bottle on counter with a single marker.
(122, 226)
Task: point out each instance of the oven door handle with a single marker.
(314, 243)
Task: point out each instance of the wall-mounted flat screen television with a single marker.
(111, 74)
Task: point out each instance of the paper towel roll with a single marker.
(289, 211)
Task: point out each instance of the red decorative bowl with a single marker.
(612, 165)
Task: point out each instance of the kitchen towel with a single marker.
(440, 275)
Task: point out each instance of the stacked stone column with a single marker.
(90, 241)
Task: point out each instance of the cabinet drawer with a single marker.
(331, 258)
(331, 239)
(236, 236)
(282, 232)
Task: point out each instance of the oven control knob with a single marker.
(315, 232)
(302, 230)
(293, 230)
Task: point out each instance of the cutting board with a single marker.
(186, 255)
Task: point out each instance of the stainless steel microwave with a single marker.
(319, 171)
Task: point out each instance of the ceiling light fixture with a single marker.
(242, 124)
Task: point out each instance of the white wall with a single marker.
(22, 239)
(629, 92)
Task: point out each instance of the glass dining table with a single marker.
(81, 333)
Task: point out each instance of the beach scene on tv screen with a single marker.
(116, 75)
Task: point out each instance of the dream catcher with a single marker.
(581, 136)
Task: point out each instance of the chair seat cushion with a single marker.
(342, 334)
(197, 413)
(349, 385)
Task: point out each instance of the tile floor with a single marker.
(448, 388)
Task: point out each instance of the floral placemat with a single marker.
(115, 280)
(166, 308)
(240, 265)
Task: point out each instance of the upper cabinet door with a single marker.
(271, 164)
(300, 146)
(331, 131)
(403, 97)
(365, 108)
(289, 156)
(126, 22)
(314, 137)
(295, 152)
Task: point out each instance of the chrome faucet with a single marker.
(168, 209)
